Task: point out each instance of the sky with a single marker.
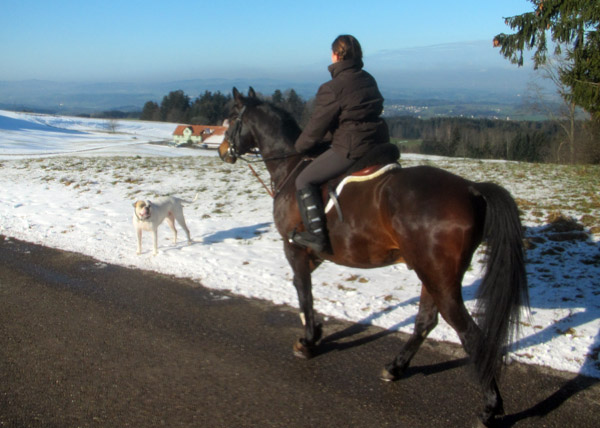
(154, 41)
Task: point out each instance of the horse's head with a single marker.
(238, 138)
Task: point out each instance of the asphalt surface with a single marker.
(85, 344)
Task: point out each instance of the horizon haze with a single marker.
(458, 72)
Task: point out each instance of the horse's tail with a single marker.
(503, 291)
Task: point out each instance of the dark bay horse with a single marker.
(428, 218)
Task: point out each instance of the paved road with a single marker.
(85, 344)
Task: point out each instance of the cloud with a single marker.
(472, 55)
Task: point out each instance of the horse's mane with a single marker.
(278, 118)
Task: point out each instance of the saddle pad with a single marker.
(362, 177)
(368, 170)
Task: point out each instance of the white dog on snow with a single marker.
(149, 215)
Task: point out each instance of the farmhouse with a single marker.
(209, 137)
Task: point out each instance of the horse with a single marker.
(428, 218)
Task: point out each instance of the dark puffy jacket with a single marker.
(347, 112)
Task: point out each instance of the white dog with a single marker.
(148, 215)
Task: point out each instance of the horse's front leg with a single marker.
(302, 266)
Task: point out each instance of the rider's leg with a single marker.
(328, 165)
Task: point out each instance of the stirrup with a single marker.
(308, 240)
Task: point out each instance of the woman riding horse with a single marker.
(426, 217)
(347, 115)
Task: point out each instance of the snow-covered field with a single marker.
(69, 183)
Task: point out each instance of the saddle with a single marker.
(380, 154)
(377, 161)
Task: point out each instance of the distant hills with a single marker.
(72, 97)
(457, 74)
(77, 98)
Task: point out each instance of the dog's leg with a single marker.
(171, 222)
(181, 221)
(139, 240)
(155, 239)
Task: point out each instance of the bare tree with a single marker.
(565, 116)
(112, 125)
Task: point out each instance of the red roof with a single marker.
(201, 130)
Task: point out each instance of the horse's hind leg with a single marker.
(425, 322)
(454, 312)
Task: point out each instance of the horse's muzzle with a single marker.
(226, 153)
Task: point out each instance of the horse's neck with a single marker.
(281, 171)
(281, 162)
(277, 148)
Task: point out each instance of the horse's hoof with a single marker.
(387, 376)
(481, 424)
(302, 351)
(487, 422)
(478, 424)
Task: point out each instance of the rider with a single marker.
(347, 116)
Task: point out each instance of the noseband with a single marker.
(233, 135)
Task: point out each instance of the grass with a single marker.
(542, 191)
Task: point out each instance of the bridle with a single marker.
(232, 135)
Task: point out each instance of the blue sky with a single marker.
(131, 40)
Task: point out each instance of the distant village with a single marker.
(200, 136)
(401, 110)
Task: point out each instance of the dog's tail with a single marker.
(186, 202)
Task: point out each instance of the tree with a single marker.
(294, 104)
(112, 125)
(209, 109)
(566, 115)
(175, 107)
(277, 98)
(151, 111)
(574, 24)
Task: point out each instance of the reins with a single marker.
(269, 191)
(272, 191)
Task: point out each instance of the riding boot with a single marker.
(312, 213)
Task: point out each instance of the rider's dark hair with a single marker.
(347, 47)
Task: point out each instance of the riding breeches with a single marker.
(325, 167)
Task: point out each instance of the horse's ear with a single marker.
(237, 97)
(251, 93)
